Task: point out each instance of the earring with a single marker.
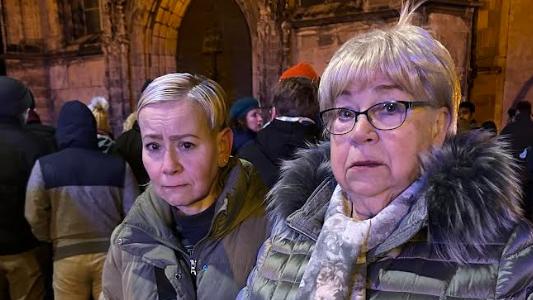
(224, 162)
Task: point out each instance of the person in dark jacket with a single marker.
(19, 149)
(395, 206)
(245, 120)
(195, 231)
(520, 131)
(47, 133)
(295, 105)
(74, 199)
(129, 146)
(466, 120)
(520, 135)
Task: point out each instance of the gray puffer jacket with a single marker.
(463, 238)
(147, 261)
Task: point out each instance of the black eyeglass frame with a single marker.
(408, 105)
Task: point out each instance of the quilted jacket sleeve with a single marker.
(112, 274)
(255, 277)
(131, 190)
(515, 275)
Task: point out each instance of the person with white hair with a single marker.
(395, 206)
(99, 106)
(195, 231)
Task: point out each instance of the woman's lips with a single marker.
(170, 187)
(366, 164)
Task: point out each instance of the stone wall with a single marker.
(77, 79)
(519, 66)
(139, 41)
(503, 61)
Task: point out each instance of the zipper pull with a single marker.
(193, 266)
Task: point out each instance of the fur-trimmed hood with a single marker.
(471, 193)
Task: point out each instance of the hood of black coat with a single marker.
(76, 126)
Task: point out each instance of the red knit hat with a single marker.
(300, 70)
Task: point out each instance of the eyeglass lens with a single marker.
(383, 116)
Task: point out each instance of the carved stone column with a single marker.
(270, 52)
(115, 45)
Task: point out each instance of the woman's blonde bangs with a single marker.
(184, 86)
(407, 55)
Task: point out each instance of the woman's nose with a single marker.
(171, 163)
(363, 131)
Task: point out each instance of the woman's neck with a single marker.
(364, 208)
(203, 204)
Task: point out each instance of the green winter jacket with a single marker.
(147, 261)
(463, 238)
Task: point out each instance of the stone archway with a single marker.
(214, 40)
(153, 29)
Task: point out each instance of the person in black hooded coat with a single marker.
(19, 149)
(75, 198)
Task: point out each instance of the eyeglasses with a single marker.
(387, 115)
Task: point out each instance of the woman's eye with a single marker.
(390, 108)
(152, 146)
(187, 146)
(345, 114)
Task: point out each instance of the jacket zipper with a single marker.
(193, 266)
(192, 260)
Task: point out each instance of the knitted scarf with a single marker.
(337, 266)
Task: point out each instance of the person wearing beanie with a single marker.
(19, 149)
(99, 106)
(245, 121)
(74, 199)
(300, 70)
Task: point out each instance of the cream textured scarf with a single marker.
(337, 267)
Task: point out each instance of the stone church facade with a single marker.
(78, 49)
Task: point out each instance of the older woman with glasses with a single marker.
(395, 206)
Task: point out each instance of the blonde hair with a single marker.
(185, 86)
(99, 107)
(406, 54)
(128, 123)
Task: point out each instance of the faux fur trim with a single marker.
(472, 191)
(298, 179)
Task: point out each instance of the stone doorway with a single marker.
(214, 40)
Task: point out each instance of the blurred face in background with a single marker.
(465, 114)
(254, 120)
(181, 154)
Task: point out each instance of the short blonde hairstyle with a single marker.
(406, 54)
(184, 86)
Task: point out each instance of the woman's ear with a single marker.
(440, 126)
(273, 113)
(224, 144)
